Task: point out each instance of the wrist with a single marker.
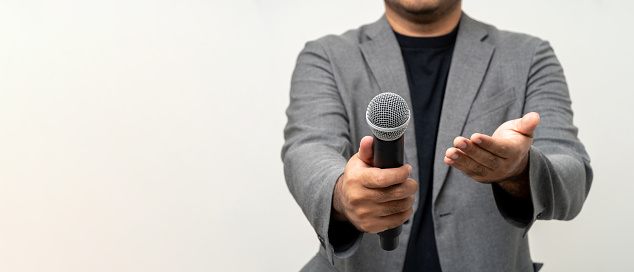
(517, 186)
(336, 211)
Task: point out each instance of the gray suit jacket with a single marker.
(495, 76)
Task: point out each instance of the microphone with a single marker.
(388, 117)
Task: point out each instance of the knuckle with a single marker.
(402, 205)
(505, 149)
(412, 200)
(407, 214)
(414, 185)
(382, 195)
(409, 202)
(352, 177)
(398, 192)
(355, 197)
(381, 179)
(388, 210)
(473, 152)
(494, 162)
(404, 175)
(478, 171)
(363, 214)
(394, 209)
(481, 152)
(400, 219)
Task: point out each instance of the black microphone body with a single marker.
(388, 117)
(388, 154)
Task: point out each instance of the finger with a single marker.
(395, 220)
(396, 206)
(527, 124)
(383, 178)
(462, 162)
(477, 153)
(396, 192)
(366, 153)
(502, 148)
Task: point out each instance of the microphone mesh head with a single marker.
(388, 116)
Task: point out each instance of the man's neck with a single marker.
(424, 28)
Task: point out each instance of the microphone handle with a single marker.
(388, 154)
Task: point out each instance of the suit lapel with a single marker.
(468, 66)
(382, 54)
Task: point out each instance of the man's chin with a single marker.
(423, 15)
(421, 10)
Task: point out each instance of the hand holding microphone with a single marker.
(378, 200)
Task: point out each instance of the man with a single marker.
(476, 197)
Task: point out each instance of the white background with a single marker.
(145, 135)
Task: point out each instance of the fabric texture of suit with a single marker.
(495, 76)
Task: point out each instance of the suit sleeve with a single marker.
(559, 167)
(317, 147)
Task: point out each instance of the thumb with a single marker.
(527, 124)
(366, 153)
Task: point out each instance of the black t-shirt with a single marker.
(427, 62)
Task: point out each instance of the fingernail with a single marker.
(455, 156)
(409, 168)
(462, 145)
(450, 162)
(477, 141)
